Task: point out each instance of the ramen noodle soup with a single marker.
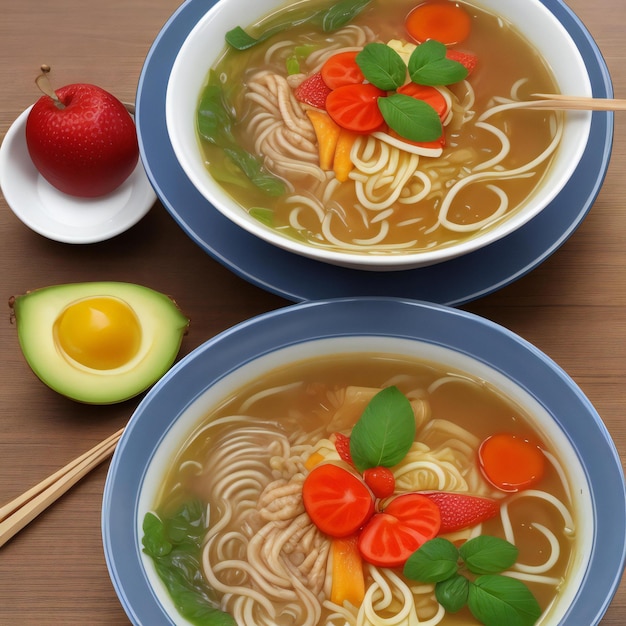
(328, 154)
(309, 497)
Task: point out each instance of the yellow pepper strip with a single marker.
(315, 459)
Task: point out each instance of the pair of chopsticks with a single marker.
(22, 510)
(581, 103)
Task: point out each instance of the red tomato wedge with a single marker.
(428, 94)
(342, 69)
(355, 107)
(337, 501)
(342, 445)
(390, 537)
(461, 510)
(467, 59)
(510, 462)
(444, 21)
(313, 90)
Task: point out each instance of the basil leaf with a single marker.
(382, 66)
(497, 600)
(435, 561)
(341, 13)
(428, 65)
(488, 555)
(411, 118)
(452, 593)
(384, 432)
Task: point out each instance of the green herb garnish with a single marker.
(428, 65)
(175, 545)
(469, 575)
(329, 20)
(215, 124)
(410, 117)
(385, 431)
(414, 119)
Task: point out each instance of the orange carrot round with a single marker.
(510, 462)
(446, 22)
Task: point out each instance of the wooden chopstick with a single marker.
(581, 103)
(22, 510)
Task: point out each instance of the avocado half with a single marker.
(98, 342)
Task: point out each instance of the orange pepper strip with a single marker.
(327, 133)
(342, 164)
(348, 581)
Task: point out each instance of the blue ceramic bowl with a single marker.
(458, 339)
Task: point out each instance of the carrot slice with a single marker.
(510, 462)
(446, 22)
(348, 582)
(355, 107)
(315, 459)
(327, 133)
(342, 164)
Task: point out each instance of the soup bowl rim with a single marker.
(185, 83)
(465, 333)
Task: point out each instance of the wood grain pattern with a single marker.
(573, 307)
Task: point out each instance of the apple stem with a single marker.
(43, 82)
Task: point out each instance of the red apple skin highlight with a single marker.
(89, 147)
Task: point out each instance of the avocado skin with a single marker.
(163, 327)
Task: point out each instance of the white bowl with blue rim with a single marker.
(459, 339)
(204, 45)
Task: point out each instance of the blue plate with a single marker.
(436, 327)
(297, 278)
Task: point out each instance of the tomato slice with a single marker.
(355, 107)
(428, 94)
(407, 522)
(342, 69)
(337, 501)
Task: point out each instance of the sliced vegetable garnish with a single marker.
(466, 59)
(390, 537)
(313, 91)
(430, 65)
(342, 163)
(342, 444)
(385, 431)
(337, 501)
(342, 13)
(427, 94)
(444, 21)
(461, 510)
(510, 462)
(342, 69)
(355, 107)
(380, 480)
(348, 581)
(327, 134)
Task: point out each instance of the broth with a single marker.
(248, 457)
(406, 202)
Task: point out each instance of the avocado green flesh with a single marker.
(162, 329)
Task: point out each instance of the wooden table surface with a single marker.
(572, 307)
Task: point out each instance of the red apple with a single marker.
(83, 142)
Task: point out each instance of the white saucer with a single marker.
(61, 217)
